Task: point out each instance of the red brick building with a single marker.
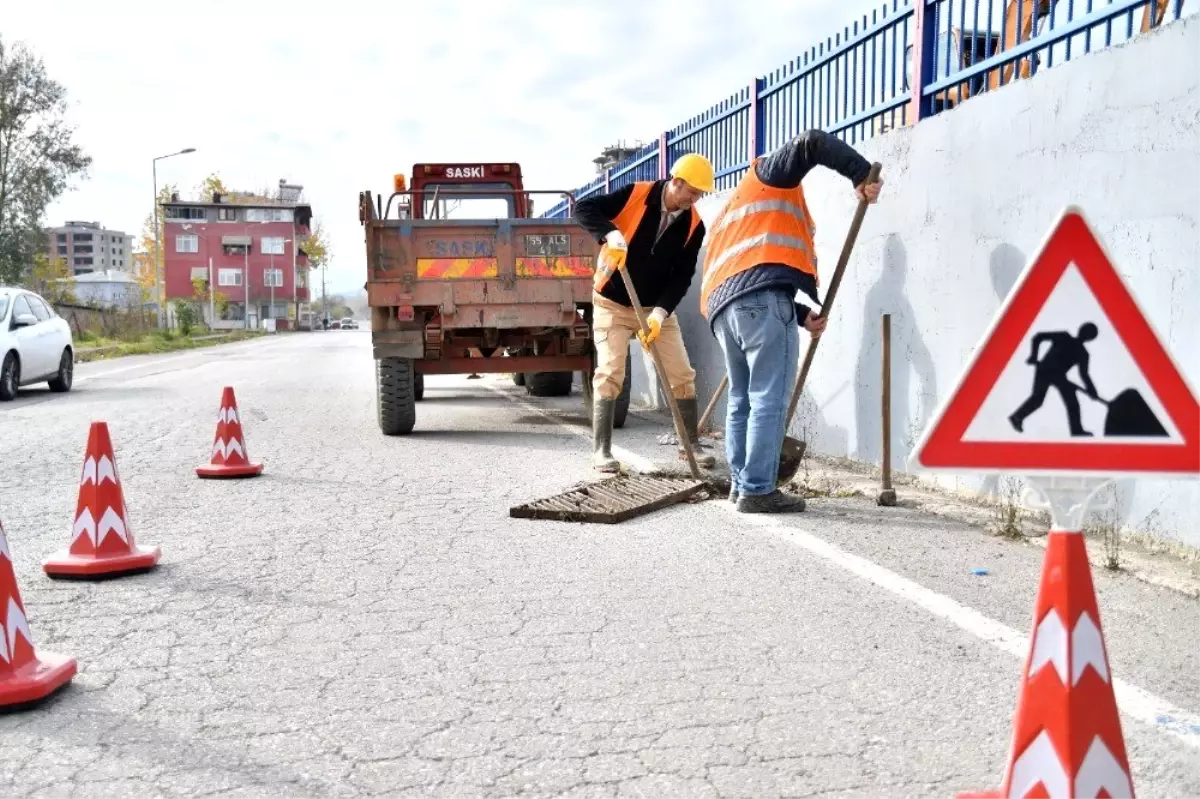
(246, 250)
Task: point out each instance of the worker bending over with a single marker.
(760, 252)
(651, 229)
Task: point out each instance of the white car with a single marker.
(35, 344)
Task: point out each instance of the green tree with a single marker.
(186, 316)
(52, 278)
(211, 185)
(316, 246)
(148, 263)
(38, 157)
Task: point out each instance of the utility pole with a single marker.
(158, 276)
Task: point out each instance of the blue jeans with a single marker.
(762, 343)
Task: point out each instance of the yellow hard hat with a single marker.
(695, 170)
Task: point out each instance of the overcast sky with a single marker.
(337, 96)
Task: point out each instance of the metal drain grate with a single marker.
(616, 499)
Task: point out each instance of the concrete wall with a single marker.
(968, 197)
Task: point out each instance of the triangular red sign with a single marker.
(1070, 402)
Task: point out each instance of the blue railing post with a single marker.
(662, 157)
(924, 33)
(758, 118)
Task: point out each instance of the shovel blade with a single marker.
(790, 456)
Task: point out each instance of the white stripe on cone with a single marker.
(1100, 770)
(225, 448)
(110, 522)
(1086, 647)
(1039, 763)
(96, 474)
(16, 624)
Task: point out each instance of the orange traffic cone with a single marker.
(102, 543)
(230, 458)
(1066, 734)
(26, 675)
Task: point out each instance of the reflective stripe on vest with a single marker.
(761, 206)
(759, 225)
(627, 222)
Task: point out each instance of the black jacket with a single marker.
(661, 272)
(785, 168)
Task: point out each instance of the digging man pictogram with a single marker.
(1128, 414)
(1066, 352)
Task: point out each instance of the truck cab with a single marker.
(468, 191)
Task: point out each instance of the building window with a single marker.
(233, 312)
(236, 249)
(62, 237)
(175, 212)
(187, 243)
(83, 261)
(272, 245)
(273, 277)
(227, 214)
(81, 237)
(269, 215)
(229, 277)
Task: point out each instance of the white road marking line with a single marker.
(1138, 703)
(170, 358)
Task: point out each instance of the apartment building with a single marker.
(89, 247)
(246, 249)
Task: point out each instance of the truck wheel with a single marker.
(518, 378)
(621, 409)
(549, 384)
(395, 395)
(419, 387)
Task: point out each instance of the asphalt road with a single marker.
(365, 619)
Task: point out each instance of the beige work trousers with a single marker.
(613, 325)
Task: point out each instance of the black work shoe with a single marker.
(775, 502)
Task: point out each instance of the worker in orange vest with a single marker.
(760, 253)
(652, 229)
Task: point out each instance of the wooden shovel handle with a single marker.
(830, 295)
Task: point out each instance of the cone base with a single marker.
(214, 470)
(64, 564)
(36, 681)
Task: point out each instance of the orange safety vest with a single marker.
(627, 222)
(759, 225)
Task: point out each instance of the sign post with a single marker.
(1069, 388)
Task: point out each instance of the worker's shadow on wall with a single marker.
(1005, 266)
(910, 356)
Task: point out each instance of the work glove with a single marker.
(615, 249)
(654, 321)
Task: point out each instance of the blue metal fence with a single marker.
(858, 83)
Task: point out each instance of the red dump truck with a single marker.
(462, 279)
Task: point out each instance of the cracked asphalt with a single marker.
(365, 619)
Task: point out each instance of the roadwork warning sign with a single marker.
(1070, 378)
